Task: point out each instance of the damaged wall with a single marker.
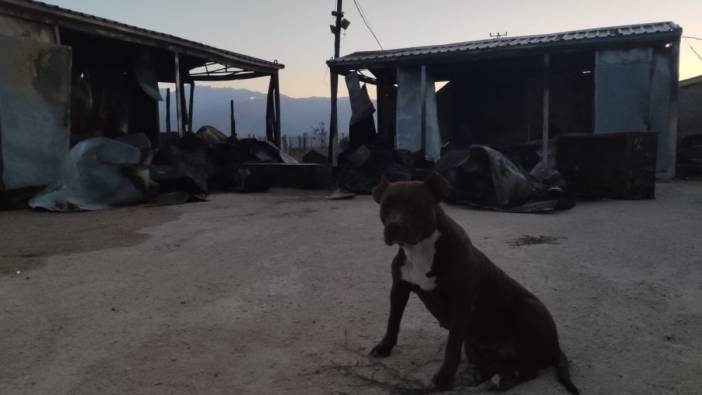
(20, 28)
(34, 106)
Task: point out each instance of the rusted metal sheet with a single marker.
(35, 80)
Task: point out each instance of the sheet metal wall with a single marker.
(35, 84)
(633, 94)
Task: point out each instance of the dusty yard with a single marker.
(286, 293)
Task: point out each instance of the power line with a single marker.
(693, 48)
(365, 22)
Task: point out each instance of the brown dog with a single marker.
(508, 334)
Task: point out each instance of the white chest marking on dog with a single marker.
(419, 258)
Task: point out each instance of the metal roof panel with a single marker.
(647, 30)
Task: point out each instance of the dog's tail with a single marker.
(563, 374)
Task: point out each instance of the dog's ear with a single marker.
(438, 186)
(380, 189)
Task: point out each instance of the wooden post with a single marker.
(333, 127)
(423, 115)
(673, 110)
(546, 109)
(276, 99)
(179, 96)
(270, 111)
(168, 110)
(232, 121)
(190, 106)
(184, 107)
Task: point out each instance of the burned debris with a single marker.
(77, 92)
(524, 124)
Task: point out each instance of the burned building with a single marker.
(66, 76)
(690, 127)
(509, 91)
(690, 107)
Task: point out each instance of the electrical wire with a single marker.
(365, 22)
(691, 47)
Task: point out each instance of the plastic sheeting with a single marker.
(408, 134)
(93, 177)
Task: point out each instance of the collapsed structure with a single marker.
(512, 92)
(66, 77)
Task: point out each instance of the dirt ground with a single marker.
(286, 292)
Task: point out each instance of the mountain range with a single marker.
(298, 115)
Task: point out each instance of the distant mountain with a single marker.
(211, 107)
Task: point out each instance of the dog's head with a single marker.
(408, 208)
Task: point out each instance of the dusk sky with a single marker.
(296, 32)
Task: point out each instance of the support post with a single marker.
(190, 107)
(168, 110)
(546, 109)
(423, 115)
(276, 101)
(333, 127)
(232, 121)
(270, 112)
(673, 111)
(184, 108)
(334, 77)
(179, 95)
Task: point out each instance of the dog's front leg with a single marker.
(458, 325)
(399, 294)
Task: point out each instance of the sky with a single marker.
(297, 34)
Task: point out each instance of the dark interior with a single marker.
(499, 102)
(107, 98)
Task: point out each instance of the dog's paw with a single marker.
(381, 350)
(443, 380)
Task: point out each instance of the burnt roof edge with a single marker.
(69, 19)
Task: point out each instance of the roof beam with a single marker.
(230, 77)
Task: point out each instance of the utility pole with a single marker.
(336, 28)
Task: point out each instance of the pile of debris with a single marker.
(616, 166)
(102, 172)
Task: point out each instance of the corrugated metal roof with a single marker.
(37, 10)
(605, 34)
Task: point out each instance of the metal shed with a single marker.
(66, 76)
(690, 107)
(512, 90)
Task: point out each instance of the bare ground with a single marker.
(287, 292)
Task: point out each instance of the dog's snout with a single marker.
(393, 227)
(392, 232)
